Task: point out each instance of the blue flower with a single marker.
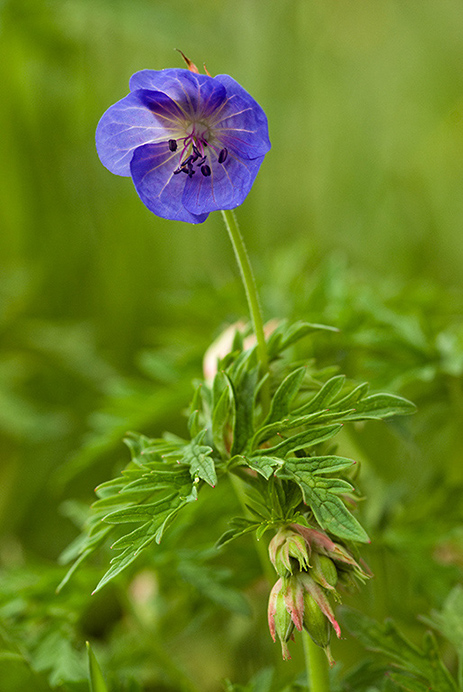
(192, 143)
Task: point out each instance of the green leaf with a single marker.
(196, 401)
(265, 465)
(331, 512)
(306, 438)
(194, 423)
(244, 385)
(380, 406)
(150, 492)
(221, 418)
(321, 494)
(97, 683)
(198, 458)
(284, 395)
(156, 479)
(351, 399)
(139, 513)
(285, 336)
(268, 431)
(80, 559)
(239, 526)
(321, 465)
(423, 664)
(326, 394)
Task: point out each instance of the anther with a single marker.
(223, 155)
(196, 152)
(205, 170)
(172, 145)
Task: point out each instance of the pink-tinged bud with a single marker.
(279, 620)
(320, 543)
(293, 595)
(286, 547)
(321, 599)
(318, 540)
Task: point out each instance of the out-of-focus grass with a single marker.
(365, 106)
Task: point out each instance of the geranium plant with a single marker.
(263, 421)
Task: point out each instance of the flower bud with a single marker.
(279, 619)
(324, 571)
(285, 548)
(319, 542)
(315, 622)
(293, 593)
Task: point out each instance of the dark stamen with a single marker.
(172, 145)
(205, 170)
(223, 155)
(196, 152)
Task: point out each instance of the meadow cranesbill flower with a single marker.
(192, 143)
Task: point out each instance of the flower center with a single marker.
(193, 156)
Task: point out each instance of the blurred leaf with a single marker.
(55, 653)
(422, 664)
(260, 682)
(449, 622)
(209, 581)
(97, 683)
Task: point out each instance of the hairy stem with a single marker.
(316, 664)
(249, 282)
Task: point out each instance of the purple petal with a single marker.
(241, 124)
(139, 118)
(152, 168)
(225, 188)
(198, 95)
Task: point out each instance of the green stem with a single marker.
(316, 664)
(252, 297)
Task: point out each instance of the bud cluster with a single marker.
(310, 567)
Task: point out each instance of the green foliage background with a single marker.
(355, 220)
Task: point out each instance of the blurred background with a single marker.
(355, 220)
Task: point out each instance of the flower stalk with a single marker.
(316, 664)
(252, 296)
